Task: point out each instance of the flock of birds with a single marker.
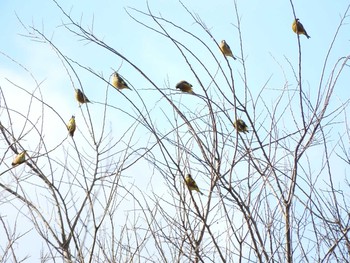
(183, 86)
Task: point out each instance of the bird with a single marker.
(118, 82)
(81, 97)
(71, 126)
(20, 158)
(226, 50)
(191, 184)
(240, 126)
(184, 86)
(298, 28)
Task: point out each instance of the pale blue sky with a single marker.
(266, 29)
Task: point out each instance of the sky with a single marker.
(262, 44)
(267, 39)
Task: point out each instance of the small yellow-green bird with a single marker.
(20, 158)
(240, 126)
(71, 126)
(184, 86)
(226, 50)
(118, 82)
(191, 184)
(80, 97)
(298, 28)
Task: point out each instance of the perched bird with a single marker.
(298, 28)
(71, 126)
(118, 82)
(20, 158)
(225, 49)
(80, 97)
(184, 86)
(240, 126)
(191, 184)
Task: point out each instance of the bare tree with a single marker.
(270, 195)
